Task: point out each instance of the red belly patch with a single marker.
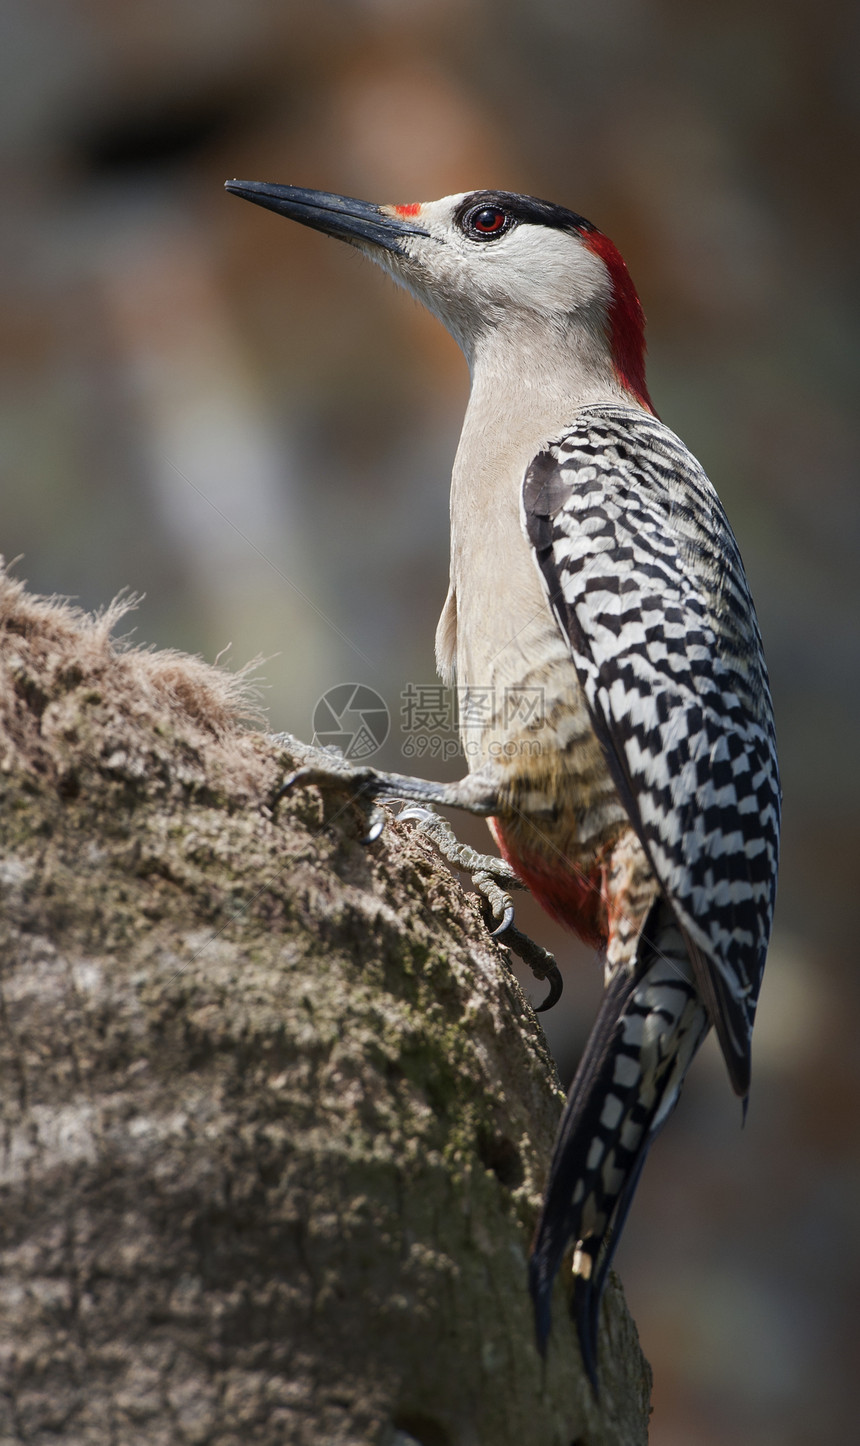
(573, 897)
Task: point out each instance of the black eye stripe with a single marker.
(528, 209)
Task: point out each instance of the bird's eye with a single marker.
(485, 222)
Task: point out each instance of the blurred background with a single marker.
(243, 421)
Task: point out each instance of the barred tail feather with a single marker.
(650, 1024)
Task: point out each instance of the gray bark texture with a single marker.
(276, 1115)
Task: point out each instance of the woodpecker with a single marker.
(592, 563)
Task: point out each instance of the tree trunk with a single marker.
(276, 1114)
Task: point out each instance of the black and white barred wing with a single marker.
(645, 578)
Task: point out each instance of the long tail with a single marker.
(650, 1024)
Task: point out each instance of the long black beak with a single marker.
(339, 216)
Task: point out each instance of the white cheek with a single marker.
(469, 284)
(436, 278)
(543, 270)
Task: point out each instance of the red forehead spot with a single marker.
(626, 318)
(411, 210)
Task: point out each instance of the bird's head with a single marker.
(488, 261)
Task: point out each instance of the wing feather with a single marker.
(646, 581)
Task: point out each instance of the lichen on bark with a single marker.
(276, 1114)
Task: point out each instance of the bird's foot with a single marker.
(492, 877)
(328, 768)
(541, 962)
(362, 787)
(477, 793)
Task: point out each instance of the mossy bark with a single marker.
(276, 1115)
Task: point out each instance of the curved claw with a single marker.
(362, 780)
(289, 782)
(418, 814)
(539, 960)
(556, 985)
(375, 826)
(507, 919)
(498, 901)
